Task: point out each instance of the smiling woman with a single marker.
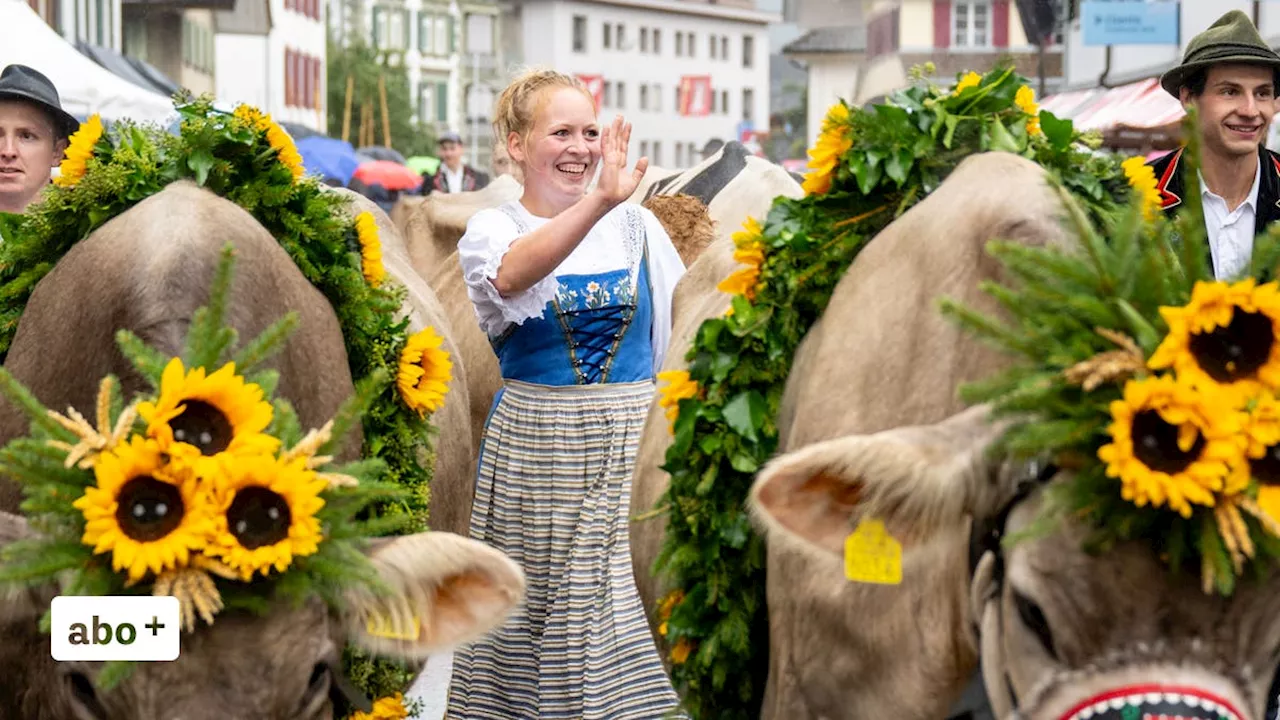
(574, 291)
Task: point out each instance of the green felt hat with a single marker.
(1232, 39)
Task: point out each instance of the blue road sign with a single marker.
(1130, 22)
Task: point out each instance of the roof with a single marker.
(1141, 105)
(136, 71)
(705, 9)
(829, 40)
(250, 17)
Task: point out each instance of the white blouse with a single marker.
(490, 233)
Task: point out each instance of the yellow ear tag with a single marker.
(383, 627)
(871, 555)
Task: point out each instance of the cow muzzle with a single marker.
(1147, 691)
(1155, 701)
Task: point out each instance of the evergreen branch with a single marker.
(269, 342)
(148, 361)
(208, 337)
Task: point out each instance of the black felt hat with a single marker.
(19, 82)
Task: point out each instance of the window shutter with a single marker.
(1000, 23)
(942, 23)
(453, 41)
(377, 28)
(405, 17)
(442, 102)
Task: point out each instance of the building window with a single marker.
(606, 99)
(680, 155)
(657, 97)
(748, 104)
(390, 28)
(971, 22)
(644, 39)
(644, 148)
(644, 98)
(724, 102)
(679, 44)
(480, 34)
(748, 51)
(691, 42)
(620, 35)
(677, 98)
(435, 29)
(579, 33)
(621, 97)
(657, 152)
(657, 41)
(713, 47)
(608, 36)
(724, 47)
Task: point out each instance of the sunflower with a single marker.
(680, 653)
(1143, 181)
(679, 386)
(669, 603)
(201, 417)
(265, 513)
(825, 154)
(1225, 336)
(425, 371)
(387, 708)
(1173, 444)
(75, 161)
(277, 138)
(147, 514)
(971, 79)
(1025, 99)
(749, 244)
(370, 249)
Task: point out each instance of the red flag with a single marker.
(595, 86)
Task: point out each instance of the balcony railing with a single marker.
(184, 4)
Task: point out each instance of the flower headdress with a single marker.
(1154, 383)
(247, 158)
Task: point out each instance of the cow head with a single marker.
(1065, 634)
(283, 664)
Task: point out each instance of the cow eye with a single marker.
(1033, 617)
(317, 695)
(84, 696)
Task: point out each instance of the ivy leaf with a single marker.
(745, 413)
(1000, 137)
(865, 172)
(1059, 131)
(899, 165)
(201, 162)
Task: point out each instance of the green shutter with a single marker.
(377, 27)
(424, 31)
(442, 102)
(453, 41)
(405, 18)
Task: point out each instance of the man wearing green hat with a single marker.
(1229, 74)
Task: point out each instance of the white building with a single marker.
(271, 54)
(644, 51)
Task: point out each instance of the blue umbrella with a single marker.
(328, 157)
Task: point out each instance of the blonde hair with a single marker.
(516, 106)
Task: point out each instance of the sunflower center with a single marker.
(203, 426)
(1237, 350)
(259, 517)
(148, 509)
(1267, 468)
(1155, 443)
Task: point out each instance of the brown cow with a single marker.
(147, 270)
(872, 426)
(455, 454)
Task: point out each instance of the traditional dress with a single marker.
(578, 351)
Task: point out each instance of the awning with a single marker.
(135, 71)
(1142, 105)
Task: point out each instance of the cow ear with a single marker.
(442, 590)
(916, 479)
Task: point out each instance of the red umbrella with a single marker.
(390, 175)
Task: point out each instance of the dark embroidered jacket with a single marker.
(1172, 183)
(472, 179)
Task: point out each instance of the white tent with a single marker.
(84, 86)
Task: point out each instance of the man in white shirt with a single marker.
(454, 175)
(1229, 75)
